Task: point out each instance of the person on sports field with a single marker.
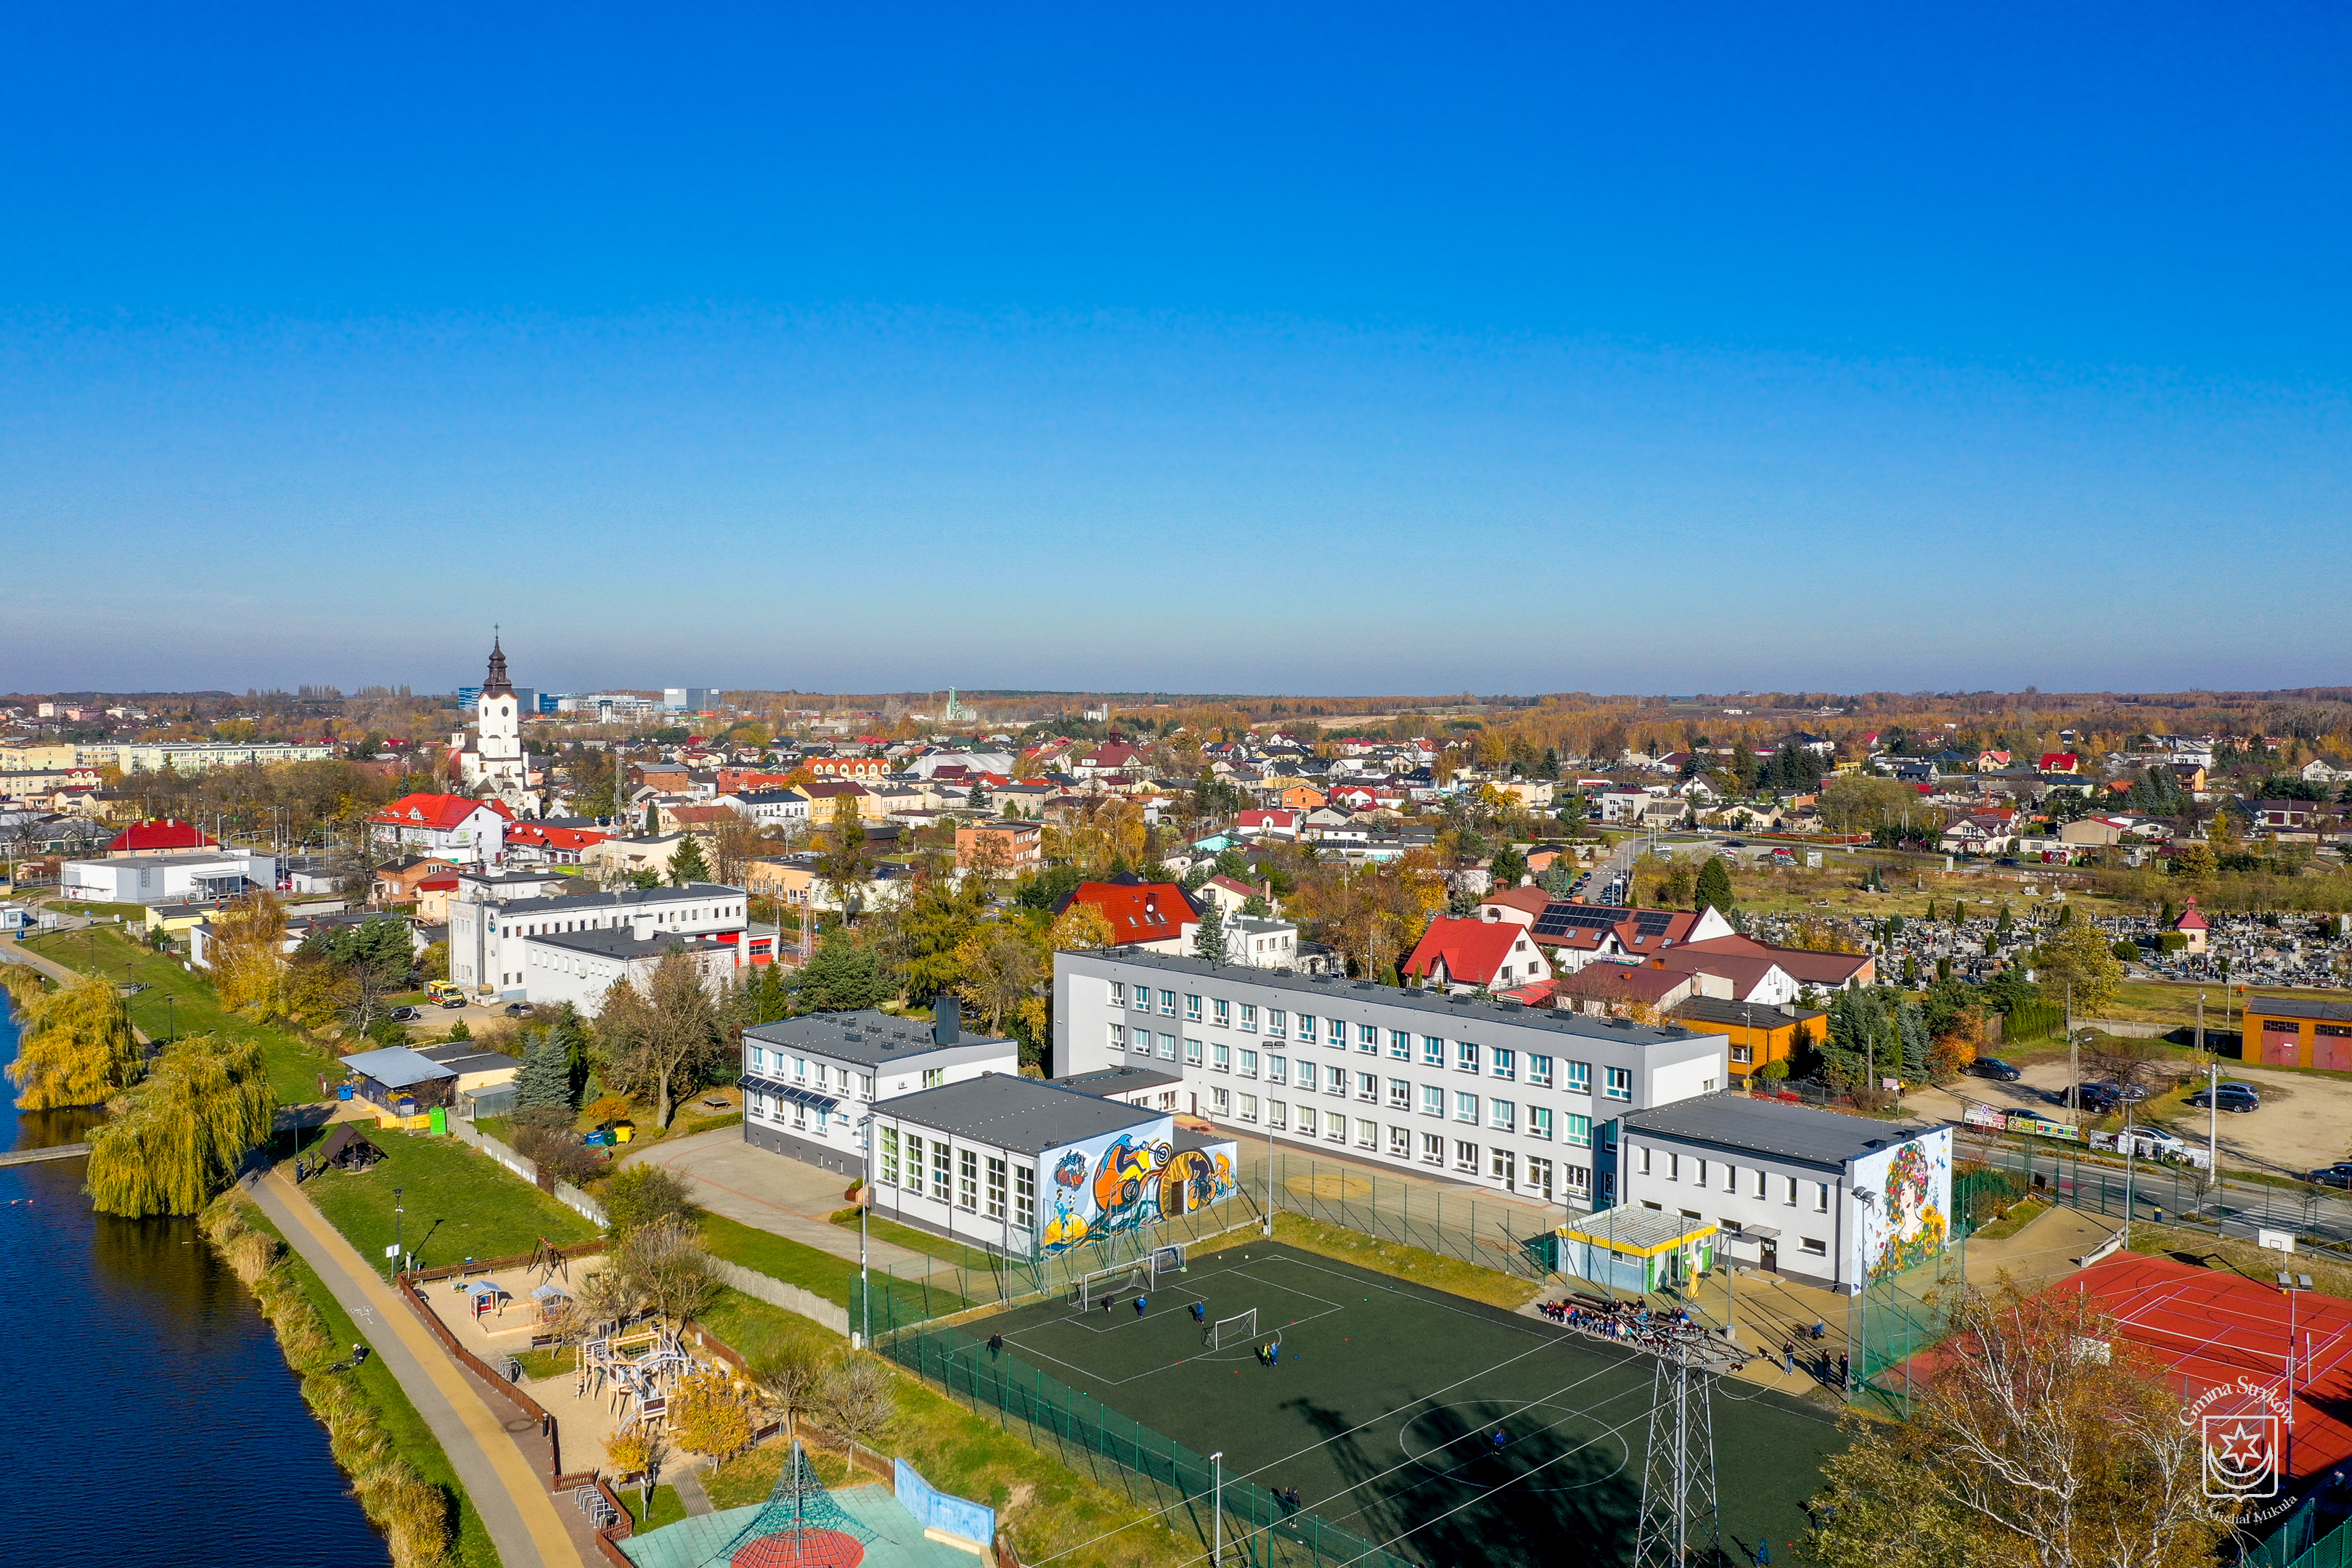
(1138, 1306)
(1199, 1312)
(1107, 1300)
(995, 1345)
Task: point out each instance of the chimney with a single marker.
(947, 1021)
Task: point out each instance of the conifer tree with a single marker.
(1714, 890)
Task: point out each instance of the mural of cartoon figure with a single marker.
(1195, 1179)
(1068, 1227)
(1124, 1196)
(1915, 1228)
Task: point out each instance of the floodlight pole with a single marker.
(1217, 1504)
(1269, 1178)
(865, 1206)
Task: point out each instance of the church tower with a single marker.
(494, 762)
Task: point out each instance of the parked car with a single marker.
(2236, 1096)
(2163, 1142)
(517, 1009)
(407, 1015)
(2099, 1096)
(2339, 1175)
(1994, 1068)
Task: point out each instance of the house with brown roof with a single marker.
(1736, 956)
(1643, 992)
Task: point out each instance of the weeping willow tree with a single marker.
(178, 1137)
(78, 1047)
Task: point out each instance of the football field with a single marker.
(1387, 1400)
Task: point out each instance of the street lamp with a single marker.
(865, 1207)
(396, 1247)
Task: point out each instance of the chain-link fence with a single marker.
(1155, 1472)
(1492, 1232)
(1897, 1319)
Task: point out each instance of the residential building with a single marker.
(808, 1082)
(200, 756)
(1756, 1034)
(612, 859)
(396, 882)
(169, 836)
(1475, 955)
(770, 807)
(1010, 848)
(1026, 1168)
(470, 832)
(1148, 915)
(1643, 992)
(2284, 815)
(579, 967)
(2064, 762)
(1735, 958)
(1258, 943)
(1495, 1094)
(1573, 934)
(1813, 1195)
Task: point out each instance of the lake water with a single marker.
(149, 1417)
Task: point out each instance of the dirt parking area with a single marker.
(2305, 1120)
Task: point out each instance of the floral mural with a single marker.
(1908, 1223)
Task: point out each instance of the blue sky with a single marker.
(1350, 348)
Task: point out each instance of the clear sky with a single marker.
(1352, 349)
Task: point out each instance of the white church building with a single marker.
(490, 761)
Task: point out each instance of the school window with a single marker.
(1580, 1077)
(966, 1180)
(995, 1187)
(1336, 1033)
(1335, 1080)
(1277, 1070)
(890, 1155)
(1539, 1177)
(1673, 1167)
(1335, 1127)
(935, 1077)
(1191, 1052)
(1249, 1017)
(1249, 1064)
(1400, 1045)
(1401, 1143)
(1223, 1012)
(1502, 1062)
(1306, 1028)
(1143, 998)
(1502, 1115)
(1759, 1184)
(800, 1070)
(1367, 1087)
(1400, 1094)
(1119, 1036)
(1466, 1158)
(1731, 1180)
(1276, 1113)
(914, 1163)
(865, 1085)
(1539, 1122)
(1699, 1171)
(1168, 1002)
(1793, 1190)
(1465, 1108)
(1166, 1047)
(1579, 1178)
(1466, 1056)
(1621, 1083)
(1024, 1196)
(1433, 1100)
(758, 1059)
(1812, 1248)
(1222, 1057)
(1274, 1022)
(941, 1171)
(1221, 1102)
(1644, 1155)
(1249, 1107)
(1117, 994)
(1502, 1165)
(800, 1114)
(1539, 1071)
(1432, 1051)
(1432, 1148)
(1192, 1009)
(1821, 1197)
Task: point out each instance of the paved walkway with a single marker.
(513, 1501)
(779, 1195)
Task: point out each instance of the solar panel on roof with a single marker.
(1653, 922)
(1557, 919)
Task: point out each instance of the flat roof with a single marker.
(1636, 1231)
(1775, 1127)
(397, 1066)
(1119, 1080)
(865, 1036)
(1755, 1014)
(1014, 1113)
(464, 1056)
(623, 897)
(2295, 1008)
(1316, 989)
(620, 942)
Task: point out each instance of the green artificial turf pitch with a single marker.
(1382, 1407)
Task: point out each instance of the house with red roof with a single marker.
(1148, 915)
(1472, 956)
(1573, 934)
(529, 842)
(470, 832)
(2060, 762)
(169, 836)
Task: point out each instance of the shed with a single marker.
(347, 1148)
(403, 1081)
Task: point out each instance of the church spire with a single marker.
(497, 685)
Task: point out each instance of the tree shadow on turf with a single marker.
(1560, 1488)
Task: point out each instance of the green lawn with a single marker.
(978, 1260)
(833, 1278)
(401, 1424)
(193, 1006)
(1394, 1258)
(457, 1204)
(135, 913)
(666, 1508)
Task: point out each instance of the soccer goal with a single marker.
(1088, 1289)
(1236, 1330)
(1168, 1260)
